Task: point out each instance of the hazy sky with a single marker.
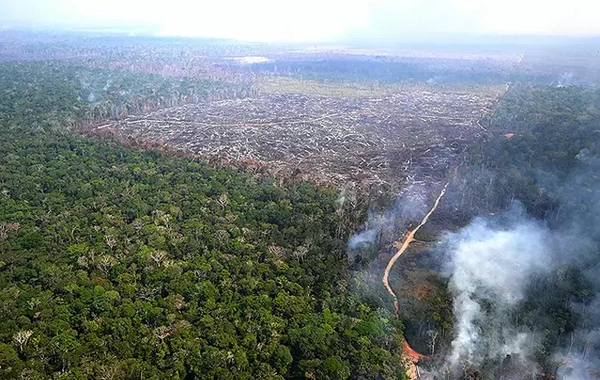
(314, 20)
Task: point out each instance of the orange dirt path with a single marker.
(411, 355)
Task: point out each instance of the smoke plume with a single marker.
(491, 262)
(410, 206)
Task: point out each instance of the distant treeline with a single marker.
(386, 70)
(62, 94)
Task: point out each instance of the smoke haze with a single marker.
(410, 206)
(490, 264)
(312, 21)
(506, 268)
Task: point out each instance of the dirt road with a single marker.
(411, 355)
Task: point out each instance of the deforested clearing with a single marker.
(407, 136)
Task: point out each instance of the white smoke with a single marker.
(579, 360)
(362, 239)
(410, 206)
(490, 265)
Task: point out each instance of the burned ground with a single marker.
(411, 135)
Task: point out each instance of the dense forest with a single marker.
(62, 95)
(119, 264)
(537, 138)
